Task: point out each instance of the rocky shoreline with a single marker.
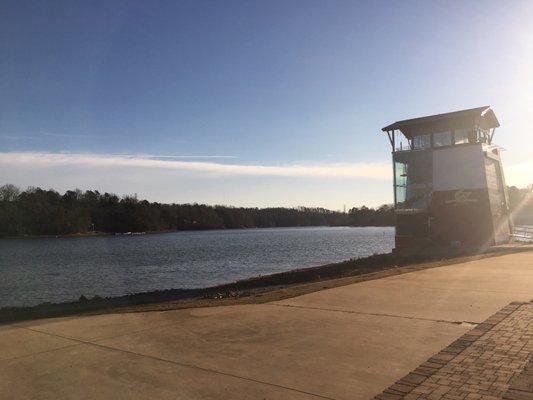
(256, 286)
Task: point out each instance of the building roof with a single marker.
(481, 116)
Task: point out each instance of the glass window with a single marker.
(401, 181)
(422, 142)
(483, 135)
(442, 139)
(462, 135)
(414, 176)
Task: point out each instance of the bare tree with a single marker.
(9, 192)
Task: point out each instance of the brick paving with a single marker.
(493, 361)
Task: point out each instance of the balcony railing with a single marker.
(523, 233)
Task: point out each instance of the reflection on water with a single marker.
(39, 270)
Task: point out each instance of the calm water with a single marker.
(38, 270)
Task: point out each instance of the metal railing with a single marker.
(523, 233)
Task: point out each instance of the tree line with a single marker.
(35, 211)
(521, 204)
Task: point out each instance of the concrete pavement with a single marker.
(489, 362)
(349, 342)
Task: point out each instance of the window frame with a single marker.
(450, 135)
(466, 133)
(429, 141)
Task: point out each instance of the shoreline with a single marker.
(100, 234)
(253, 290)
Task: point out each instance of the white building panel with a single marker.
(459, 167)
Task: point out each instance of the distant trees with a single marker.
(521, 199)
(35, 211)
(9, 192)
(521, 204)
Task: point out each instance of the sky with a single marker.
(250, 103)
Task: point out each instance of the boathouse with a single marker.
(449, 187)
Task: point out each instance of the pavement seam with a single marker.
(79, 342)
(40, 352)
(182, 364)
(98, 339)
(381, 286)
(376, 314)
(403, 387)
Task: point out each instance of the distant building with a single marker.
(449, 188)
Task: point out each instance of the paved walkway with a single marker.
(350, 342)
(486, 363)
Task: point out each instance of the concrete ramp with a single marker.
(349, 342)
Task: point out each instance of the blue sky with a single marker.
(261, 103)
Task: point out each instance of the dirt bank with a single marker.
(254, 290)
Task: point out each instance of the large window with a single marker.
(462, 135)
(422, 142)
(400, 169)
(442, 139)
(483, 135)
(413, 179)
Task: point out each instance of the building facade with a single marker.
(449, 187)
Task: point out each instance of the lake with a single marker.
(61, 269)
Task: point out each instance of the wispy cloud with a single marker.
(180, 141)
(67, 135)
(516, 174)
(379, 171)
(44, 135)
(152, 156)
(19, 137)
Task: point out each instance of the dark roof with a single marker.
(482, 116)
